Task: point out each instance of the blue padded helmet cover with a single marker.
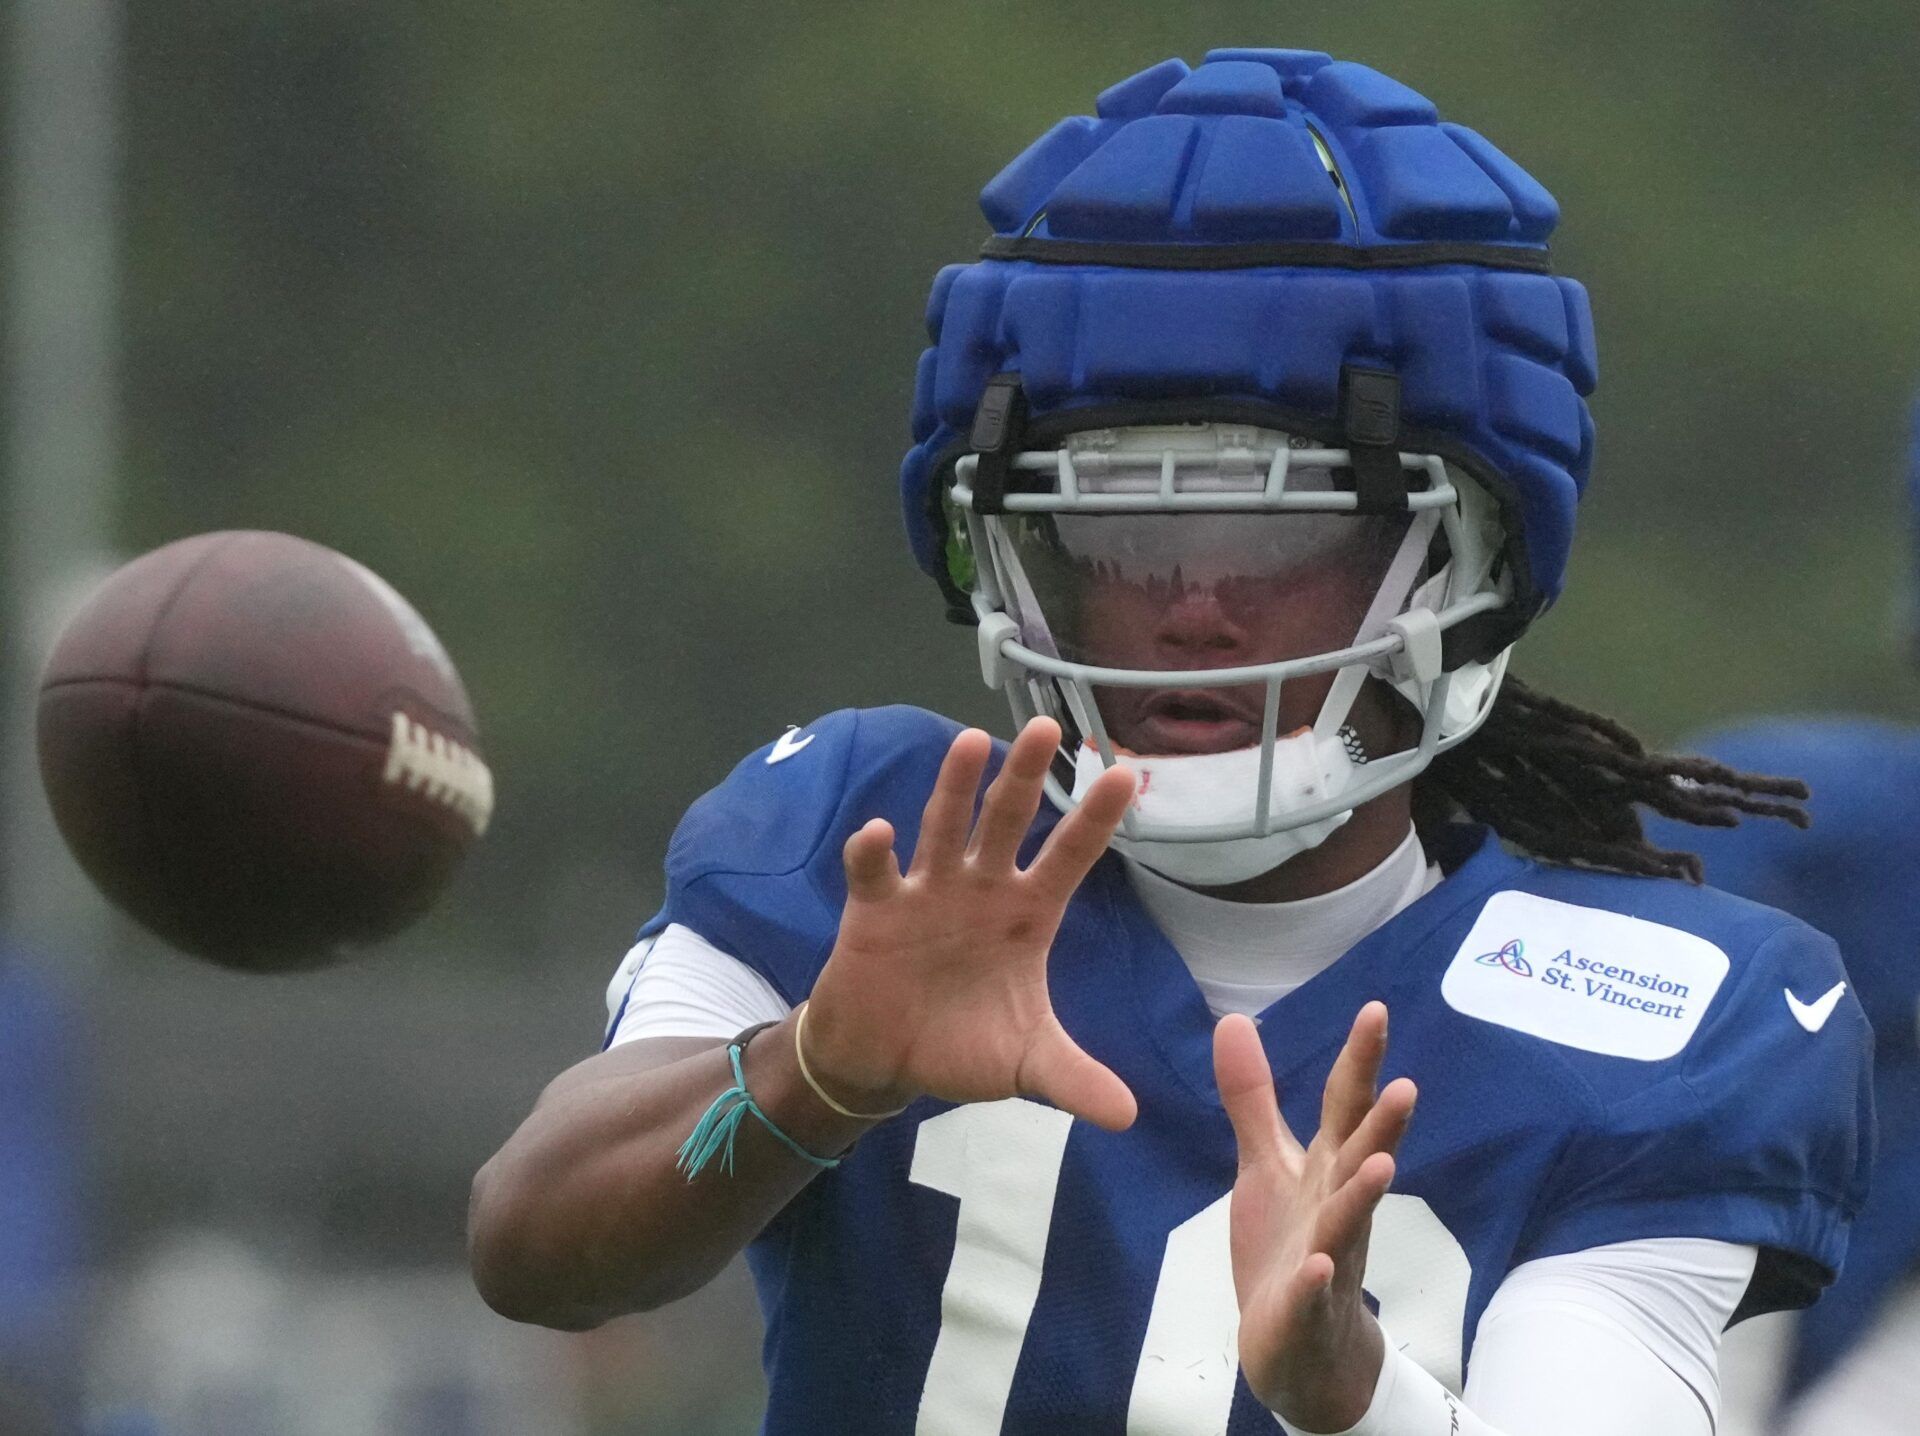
(1494, 362)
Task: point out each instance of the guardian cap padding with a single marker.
(1224, 241)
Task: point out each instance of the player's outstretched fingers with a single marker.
(1343, 1217)
(1245, 1081)
(1380, 1130)
(945, 820)
(1059, 1070)
(1350, 1085)
(872, 872)
(1013, 797)
(1078, 840)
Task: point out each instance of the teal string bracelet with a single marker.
(718, 1127)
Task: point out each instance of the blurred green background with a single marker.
(592, 327)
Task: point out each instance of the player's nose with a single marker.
(1195, 624)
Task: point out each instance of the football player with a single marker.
(1856, 875)
(1251, 444)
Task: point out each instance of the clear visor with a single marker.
(1193, 591)
(1184, 593)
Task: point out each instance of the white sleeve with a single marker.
(1612, 1341)
(677, 984)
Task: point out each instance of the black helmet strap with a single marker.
(1370, 419)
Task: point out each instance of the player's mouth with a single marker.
(1195, 720)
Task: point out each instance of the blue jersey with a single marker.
(42, 1123)
(1600, 1059)
(1855, 875)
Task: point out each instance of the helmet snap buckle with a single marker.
(1418, 659)
(996, 629)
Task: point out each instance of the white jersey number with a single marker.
(1003, 1159)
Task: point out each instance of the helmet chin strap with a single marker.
(1193, 790)
(1196, 790)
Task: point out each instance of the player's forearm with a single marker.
(584, 1215)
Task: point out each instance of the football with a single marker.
(257, 749)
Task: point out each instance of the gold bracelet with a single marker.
(800, 1052)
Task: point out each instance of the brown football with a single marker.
(259, 750)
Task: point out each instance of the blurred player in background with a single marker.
(40, 1212)
(1855, 875)
(1251, 445)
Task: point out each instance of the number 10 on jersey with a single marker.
(1002, 1161)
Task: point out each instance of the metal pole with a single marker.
(61, 420)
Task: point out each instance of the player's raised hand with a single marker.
(1310, 1348)
(937, 984)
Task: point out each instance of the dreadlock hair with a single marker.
(1562, 784)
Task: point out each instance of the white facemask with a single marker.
(1197, 818)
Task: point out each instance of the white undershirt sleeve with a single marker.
(1613, 1341)
(677, 984)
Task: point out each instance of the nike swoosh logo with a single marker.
(1813, 1015)
(786, 745)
